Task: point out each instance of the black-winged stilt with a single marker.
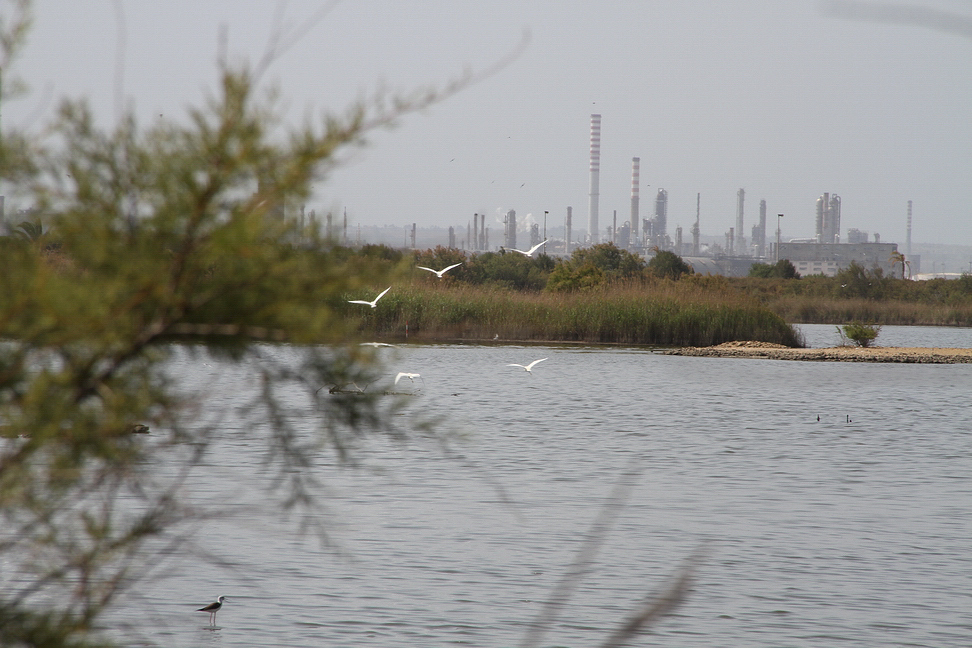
(213, 608)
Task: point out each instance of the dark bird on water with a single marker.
(213, 608)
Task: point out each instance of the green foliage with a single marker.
(861, 334)
(510, 270)
(31, 231)
(668, 265)
(611, 260)
(568, 278)
(782, 269)
(594, 266)
(179, 233)
(856, 281)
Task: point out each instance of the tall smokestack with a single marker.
(696, 232)
(510, 223)
(740, 210)
(908, 237)
(761, 243)
(593, 231)
(635, 181)
(570, 218)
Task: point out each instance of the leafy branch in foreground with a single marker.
(180, 239)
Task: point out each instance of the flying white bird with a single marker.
(439, 273)
(529, 367)
(370, 303)
(410, 376)
(530, 252)
(377, 344)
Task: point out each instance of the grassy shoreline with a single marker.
(809, 310)
(665, 314)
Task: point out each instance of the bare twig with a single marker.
(901, 14)
(657, 606)
(588, 551)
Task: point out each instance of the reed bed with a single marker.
(823, 310)
(656, 313)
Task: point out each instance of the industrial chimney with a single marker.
(761, 243)
(635, 173)
(740, 201)
(908, 237)
(593, 231)
(570, 218)
(696, 231)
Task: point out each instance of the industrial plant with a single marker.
(731, 254)
(644, 231)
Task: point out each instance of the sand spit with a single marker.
(831, 354)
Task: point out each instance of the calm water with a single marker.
(826, 335)
(819, 533)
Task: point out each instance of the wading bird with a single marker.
(439, 273)
(528, 368)
(530, 252)
(213, 608)
(370, 303)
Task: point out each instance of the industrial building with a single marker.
(830, 258)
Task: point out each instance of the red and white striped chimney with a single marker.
(593, 232)
(635, 181)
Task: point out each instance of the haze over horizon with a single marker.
(786, 100)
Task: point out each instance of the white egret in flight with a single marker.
(439, 273)
(529, 367)
(529, 252)
(370, 303)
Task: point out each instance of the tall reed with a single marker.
(656, 313)
(826, 310)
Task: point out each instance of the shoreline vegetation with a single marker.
(606, 295)
(600, 295)
(663, 315)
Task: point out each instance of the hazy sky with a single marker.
(784, 99)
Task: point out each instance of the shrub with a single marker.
(783, 269)
(862, 334)
(668, 265)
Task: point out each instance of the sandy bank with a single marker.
(831, 354)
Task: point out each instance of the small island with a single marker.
(767, 350)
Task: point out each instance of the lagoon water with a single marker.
(829, 532)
